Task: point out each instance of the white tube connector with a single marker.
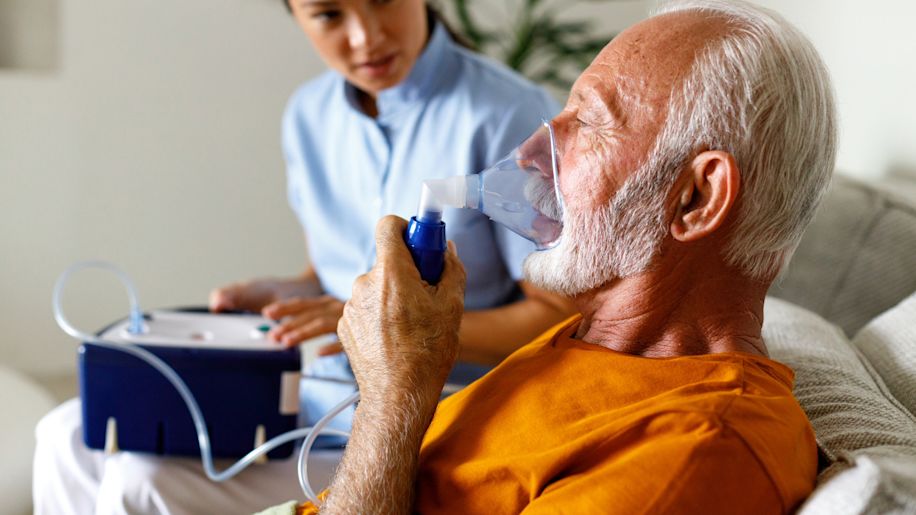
(460, 191)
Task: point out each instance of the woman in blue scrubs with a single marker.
(403, 102)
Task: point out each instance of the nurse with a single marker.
(402, 102)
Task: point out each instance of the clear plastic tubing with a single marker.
(203, 437)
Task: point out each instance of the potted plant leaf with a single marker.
(539, 41)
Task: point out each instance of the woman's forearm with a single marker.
(488, 336)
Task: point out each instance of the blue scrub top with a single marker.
(456, 113)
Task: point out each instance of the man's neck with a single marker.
(677, 310)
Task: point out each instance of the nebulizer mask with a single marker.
(521, 192)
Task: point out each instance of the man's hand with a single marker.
(401, 336)
(400, 333)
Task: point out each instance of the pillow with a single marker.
(847, 403)
(889, 344)
(880, 480)
(857, 257)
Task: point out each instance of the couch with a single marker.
(843, 316)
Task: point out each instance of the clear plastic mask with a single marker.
(520, 191)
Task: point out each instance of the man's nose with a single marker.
(538, 152)
(535, 152)
(362, 31)
(564, 131)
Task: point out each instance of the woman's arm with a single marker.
(256, 294)
(489, 335)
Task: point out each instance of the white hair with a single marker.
(762, 94)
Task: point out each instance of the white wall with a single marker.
(155, 144)
(870, 49)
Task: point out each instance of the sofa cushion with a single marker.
(889, 344)
(858, 257)
(847, 403)
(879, 480)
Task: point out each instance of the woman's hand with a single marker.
(304, 318)
(297, 302)
(245, 296)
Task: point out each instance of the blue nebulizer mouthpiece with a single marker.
(520, 191)
(426, 242)
(426, 237)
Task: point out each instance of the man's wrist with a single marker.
(400, 404)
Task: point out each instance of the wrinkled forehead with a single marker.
(644, 63)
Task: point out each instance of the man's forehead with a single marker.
(653, 54)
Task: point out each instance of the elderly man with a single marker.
(693, 152)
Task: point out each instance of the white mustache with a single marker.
(541, 194)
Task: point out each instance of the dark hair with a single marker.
(433, 16)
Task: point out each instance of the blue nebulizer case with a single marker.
(246, 386)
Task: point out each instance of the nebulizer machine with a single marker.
(140, 376)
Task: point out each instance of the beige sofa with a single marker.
(854, 352)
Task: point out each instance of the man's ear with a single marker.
(707, 196)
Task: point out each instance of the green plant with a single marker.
(539, 43)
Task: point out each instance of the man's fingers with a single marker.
(390, 248)
(453, 276)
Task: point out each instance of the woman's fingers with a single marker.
(287, 307)
(302, 328)
(330, 349)
(221, 299)
(303, 318)
(244, 296)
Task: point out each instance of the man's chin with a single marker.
(549, 270)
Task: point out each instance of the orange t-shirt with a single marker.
(562, 426)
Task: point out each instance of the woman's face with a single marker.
(373, 43)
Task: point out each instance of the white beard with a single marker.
(617, 240)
